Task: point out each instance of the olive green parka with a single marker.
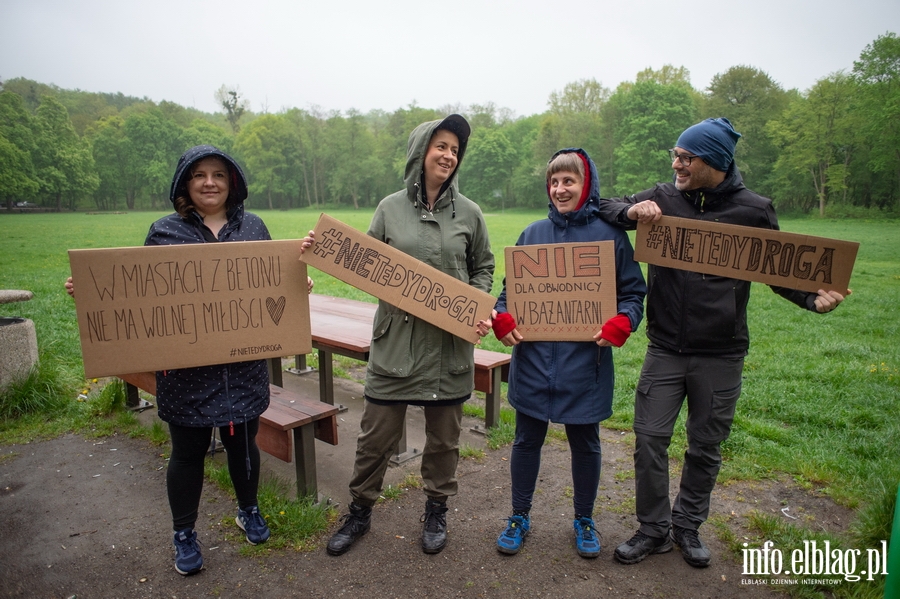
(412, 360)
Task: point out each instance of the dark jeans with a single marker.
(712, 386)
(184, 477)
(525, 462)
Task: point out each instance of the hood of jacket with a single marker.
(590, 209)
(238, 181)
(417, 147)
(732, 184)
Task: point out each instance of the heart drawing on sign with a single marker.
(275, 308)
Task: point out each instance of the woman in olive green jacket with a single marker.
(411, 361)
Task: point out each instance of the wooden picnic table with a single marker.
(344, 326)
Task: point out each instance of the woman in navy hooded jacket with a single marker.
(567, 382)
(208, 193)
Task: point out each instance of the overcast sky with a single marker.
(342, 54)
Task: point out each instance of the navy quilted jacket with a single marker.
(565, 381)
(224, 393)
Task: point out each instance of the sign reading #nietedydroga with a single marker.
(563, 291)
(167, 307)
(398, 279)
(789, 260)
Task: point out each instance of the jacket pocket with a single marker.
(462, 356)
(391, 351)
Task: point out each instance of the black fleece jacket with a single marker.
(695, 313)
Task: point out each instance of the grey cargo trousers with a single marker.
(712, 386)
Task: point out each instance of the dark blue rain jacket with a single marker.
(572, 382)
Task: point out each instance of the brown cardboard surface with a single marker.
(779, 258)
(398, 279)
(165, 307)
(562, 291)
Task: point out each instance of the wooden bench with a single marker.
(287, 429)
(344, 326)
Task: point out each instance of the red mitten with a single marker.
(504, 324)
(616, 330)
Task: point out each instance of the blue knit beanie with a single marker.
(713, 140)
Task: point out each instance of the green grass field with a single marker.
(821, 397)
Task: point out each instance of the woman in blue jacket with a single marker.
(567, 382)
(208, 193)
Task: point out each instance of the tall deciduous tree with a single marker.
(201, 132)
(64, 161)
(352, 156)
(118, 165)
(585, 95)
(156, 142)
(816, 136)
(749, 98)
(266, 148)
(15, 169)
(878, 74)
(18, 180)
(486, 172)
(234, 105)
(651, 117)
(575, 119)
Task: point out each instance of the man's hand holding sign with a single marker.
(802, 262)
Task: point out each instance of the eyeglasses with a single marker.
(684, 159)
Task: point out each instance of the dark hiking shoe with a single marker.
(695, 552)
(356, 524)
(640, 546)
(252, 523)
(187, 552)
(434, 532)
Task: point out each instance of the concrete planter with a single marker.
(18, 349)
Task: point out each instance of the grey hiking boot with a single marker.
(356, 524)
(434, 532)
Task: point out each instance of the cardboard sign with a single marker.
(563, 291)
(398, 279)
(766, 256)
(166, 307)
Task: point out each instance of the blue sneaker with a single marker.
(511, 539)
(253, 524)
(587, 541)
(187, 552)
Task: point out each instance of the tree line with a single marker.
(834, 148)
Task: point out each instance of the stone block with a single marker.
(18, 349)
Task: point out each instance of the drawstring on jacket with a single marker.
(424, 203)
(231, 423)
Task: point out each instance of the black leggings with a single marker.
(525, 462)
(184, 477)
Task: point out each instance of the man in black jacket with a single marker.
(697, 327)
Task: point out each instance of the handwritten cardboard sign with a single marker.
(563, 291)
(166, 307)
(398, 278)
(766, 256)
